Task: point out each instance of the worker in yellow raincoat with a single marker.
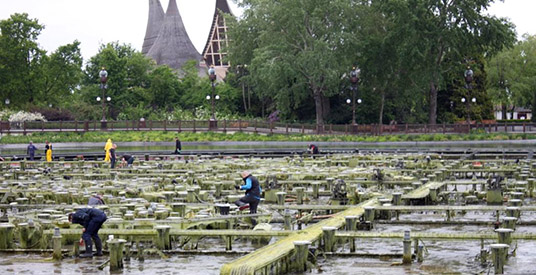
(48, 151)
(107, 148)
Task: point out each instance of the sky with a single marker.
(99, 22)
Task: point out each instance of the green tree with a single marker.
(512, 80)
(61, 74)
(444, 33)
(20, 59)
(294, 50)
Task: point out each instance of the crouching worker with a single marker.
(253, 193)
(91, 219)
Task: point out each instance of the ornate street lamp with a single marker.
(103, 74)
(468, 77)
(354, 80)
(213, 124)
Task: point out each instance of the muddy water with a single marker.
(36, 264)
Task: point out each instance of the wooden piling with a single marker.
(499, 254)
(316, 189)
(301, 249)
(56, 244)
(163, 241)
(116, 247)
(299, 194)
(328, 236)
(281, 198)
(6, 235)
(351, 226)
(406, 258)
(505, 235)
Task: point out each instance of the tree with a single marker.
(296, 50)
(511, 76)
(61, 73)
(20, 58)
(444, 33)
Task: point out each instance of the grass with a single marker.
(161, 136)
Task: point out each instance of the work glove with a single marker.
(237, 187)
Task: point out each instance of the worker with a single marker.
(48, 151)
(313, 149)
(91, 219)
(95, 200)
(253, 193)
(107, 148)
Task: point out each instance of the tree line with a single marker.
(294, 57)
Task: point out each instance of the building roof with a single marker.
(156, 17)
(173, 46)
(217, 38)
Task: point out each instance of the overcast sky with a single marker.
(101, 21)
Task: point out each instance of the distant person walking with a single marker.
(31, 150)
(178, 147)
(48, 151)
(113, 157)
(107, 148)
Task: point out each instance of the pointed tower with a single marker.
(156, 17)
(213, 54)
(173, 47)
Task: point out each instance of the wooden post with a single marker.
(301, 249)
(228, 243)
(505, 235)
(369, 213)
(299, 194)
(56, 244)
(351, 226)
(316, 189)
(288, 220)
(328, 236)
(179, 208)
(510, 222)
(281, 198)
(163, 241)
(499, 253)
(116, 247)
(420, 254)
(406, 258)
(6, 235)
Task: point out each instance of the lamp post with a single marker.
(354, 79)
(213, 124)
(468, 76)
(103, 74)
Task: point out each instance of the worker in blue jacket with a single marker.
(91, 219)
(253, 193)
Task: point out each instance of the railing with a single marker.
(261, 127)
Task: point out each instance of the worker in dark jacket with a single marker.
(313, 149)
(91, 219)
(253, 193)
(30, 150)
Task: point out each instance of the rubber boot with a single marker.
(89, 251)
(98, 246)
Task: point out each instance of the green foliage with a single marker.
(161, 136)
(511, 76)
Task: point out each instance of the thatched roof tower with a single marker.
(156, 17)
(173, 46)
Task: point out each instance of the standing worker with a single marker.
(178, 147)
(48, 151)
(107, 148)
(91, 219)
(113, 157)
(253, 193)
(31, 150)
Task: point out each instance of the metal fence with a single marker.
(258, 126)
